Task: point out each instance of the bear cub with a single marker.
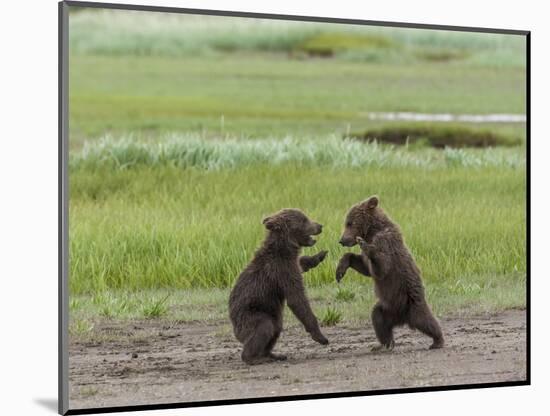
(272, 277)
(397, 280)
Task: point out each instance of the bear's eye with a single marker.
(348, 224)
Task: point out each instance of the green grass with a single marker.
(330, 317)
(155, 308)
(344, 295)
(261, 96)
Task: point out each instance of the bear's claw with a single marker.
(321, 255)
(362, 243)
(383, 347)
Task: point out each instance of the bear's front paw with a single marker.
(342, 268)
(277, 357)
(384, 347)
(438, 343)
(340, 272)
(321, 255)
(320, 338)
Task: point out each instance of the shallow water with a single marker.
(469, 118)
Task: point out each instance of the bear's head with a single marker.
(293, 225)
(359, 220)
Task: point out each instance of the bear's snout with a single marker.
(347, 241)
(318, 228)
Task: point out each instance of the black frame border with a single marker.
(63, 205)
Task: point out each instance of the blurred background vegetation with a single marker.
(154, 72)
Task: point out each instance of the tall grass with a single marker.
(153, 227)
(184, 151)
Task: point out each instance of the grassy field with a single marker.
(181, 144)
(275, 96)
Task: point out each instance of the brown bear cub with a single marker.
(272, 277)
(397, 281)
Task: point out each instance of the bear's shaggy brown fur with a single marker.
(272, 277)
(397, 280)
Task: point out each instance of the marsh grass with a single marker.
(194, 151)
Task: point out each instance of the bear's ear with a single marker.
(271, 223)
(371, 203)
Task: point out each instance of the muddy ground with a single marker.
(145, 362)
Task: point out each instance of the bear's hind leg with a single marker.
(273, 341)
(383, 323)
(271, 344)
(257, 348)
(421, 318)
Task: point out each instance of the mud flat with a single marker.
(146, 362)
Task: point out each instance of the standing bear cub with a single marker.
(397, 281)
(272, 277)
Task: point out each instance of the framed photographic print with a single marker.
(264, 207)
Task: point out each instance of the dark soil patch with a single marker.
(329, 44)
(442, 54)
(437, 135)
